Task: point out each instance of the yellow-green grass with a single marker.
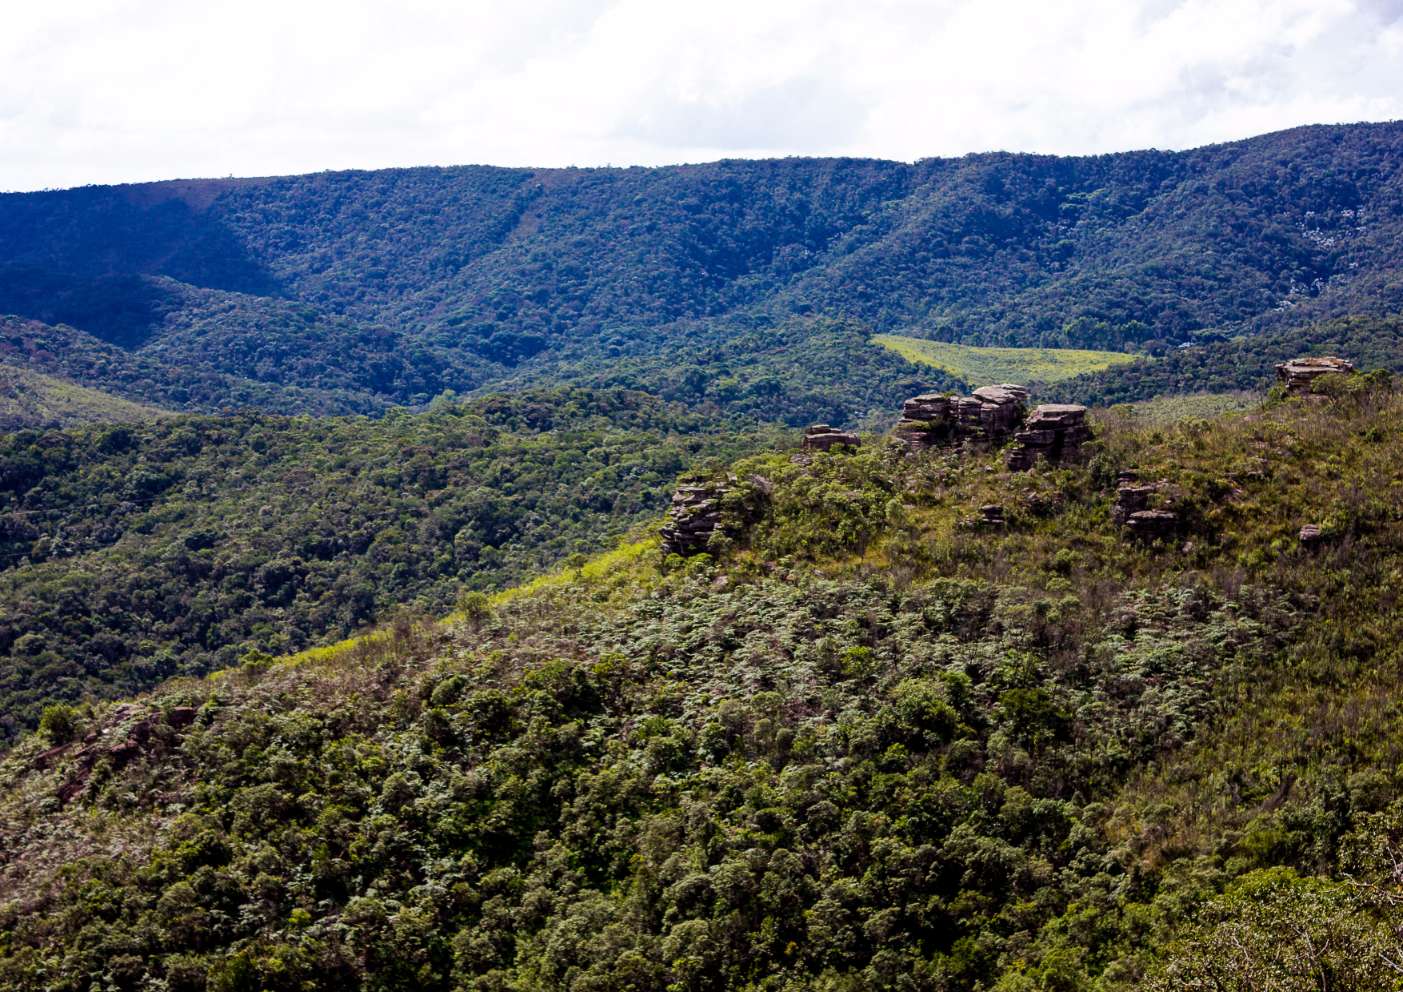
(596, 569)
(1164, 410)
(32, 399)
(978, 366)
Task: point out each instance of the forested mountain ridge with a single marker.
(385, 287)
(871, 740)
(132, 553)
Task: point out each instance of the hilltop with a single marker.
(753, 286)
(876, 735)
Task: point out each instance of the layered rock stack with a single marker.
(821, 437)
(694, 516)
(1299, 374)
(1144, 508)
(1054, 433)
(989, 416)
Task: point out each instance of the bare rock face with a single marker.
(989, 416)
(821, 437)
(694, 516)
(1298, 374)
(1054, 432)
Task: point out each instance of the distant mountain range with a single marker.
(753, 285)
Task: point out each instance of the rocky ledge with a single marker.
(821, 437)
(1299, 374)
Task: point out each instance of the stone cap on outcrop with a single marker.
(1298, 373)
(990, 415)
(821, 437)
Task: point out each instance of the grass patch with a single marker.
(1164, 410)
(978, 366)
(32, 399)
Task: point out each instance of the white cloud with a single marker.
(119, 90)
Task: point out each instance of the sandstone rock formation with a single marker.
(989, 416)
(1131, 499)
(694, 516)
(1147, 510)
(821, 437)
(1054, 432)
(1298, 374)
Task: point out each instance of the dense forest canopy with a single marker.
(865, 742)
(352, 291)
(132, 553)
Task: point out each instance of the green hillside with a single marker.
(355, 291)
(866, 743)
(32, 399)
(979, 365)
(129, 554)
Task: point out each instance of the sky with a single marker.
(100, 91)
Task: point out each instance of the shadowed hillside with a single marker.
(376, 287)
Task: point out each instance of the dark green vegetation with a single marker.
(753, 285)
(1244, 363)
(132, 553)
(864, 745)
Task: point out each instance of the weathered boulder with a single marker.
(1311, 535)
(991, 515)
(989, 416)
(821, 437)
(1299, 374)
(1053, 432)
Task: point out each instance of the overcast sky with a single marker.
(124, 90)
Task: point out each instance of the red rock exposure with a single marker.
(1299, 374)
(821, 437)
(1054, 433)
(989, 416)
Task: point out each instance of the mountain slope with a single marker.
(32, 399)
(130, 554)
(391, 286)
(869, 744)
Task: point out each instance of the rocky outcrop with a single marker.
(821, 437)
(1132, 498)
(989, 416)
(1299, 374)
(1310, 536)
(1054, 433)
(694, 516)
(991, 516)
(1147, 510)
